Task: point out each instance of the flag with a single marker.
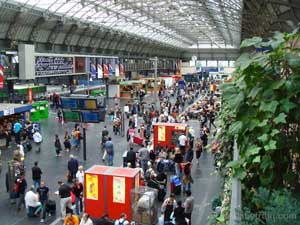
(1, 73)
(93, 71)
(100, 71)
(105, 71)
(121, 70)
(110, 69)
(117, 70)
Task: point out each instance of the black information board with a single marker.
(53, 65)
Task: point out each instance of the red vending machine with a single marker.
(167, 134)
(108, 190)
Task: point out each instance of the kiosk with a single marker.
(108, 190)
(166, 134)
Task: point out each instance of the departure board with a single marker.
(71, 116)
(90, 117)
(88, 104)
(69, 103)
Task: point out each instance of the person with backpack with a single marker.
(57, 145)
(122, 220)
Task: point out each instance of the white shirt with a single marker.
(37, 137)
(21, 150)
(87, 222)
(121, 221)
(31, 199)
(182, 139)
(80, 176)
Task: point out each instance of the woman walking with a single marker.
(57, 145)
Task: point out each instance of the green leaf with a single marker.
(254, 92)
(236, 127)
(252, 150)
(243, 61)
(240, 173)
(269, 107)
(293, 60)
(286, 105)
(277, 84)
(270, 146)
(221, 218)
(263, 123)
(256, 159)
(280, 118)
(233, 164)
(251, 42)
(263, 138)
(266, 163)
(274, 132)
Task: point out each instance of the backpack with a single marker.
(57, 144)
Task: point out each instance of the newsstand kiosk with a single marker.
(167, 134)
(108, 191)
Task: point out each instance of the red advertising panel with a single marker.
(105, 71)
(30, 95)
(1, 76)
(80, 65)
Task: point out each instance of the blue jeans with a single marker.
(110, 159)
(144, 164)
(187, 187)
(36, 183)
(177, 170)
(78, 205)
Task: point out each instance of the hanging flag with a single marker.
(93, 71)
(117, 70)
(110, 69)
(100, 71)
(105, 71)
(121, 70)
(1, 73)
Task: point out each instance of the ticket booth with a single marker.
(108, 190)
(167, 134)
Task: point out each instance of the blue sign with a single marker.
(69, 103)
(90, 117)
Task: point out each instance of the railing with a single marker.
(236, 194)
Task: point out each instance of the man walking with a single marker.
(64, 193)
(17, 131)
(36, 175)
(72, 167)
(188, 206)
(43, 192)
(109, 148)
(22, 185)
(131, 157)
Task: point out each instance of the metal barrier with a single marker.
(236, 194)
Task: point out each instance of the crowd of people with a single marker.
(161, 167)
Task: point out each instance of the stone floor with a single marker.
(206, 181)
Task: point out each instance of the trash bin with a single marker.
(35, 112)
(44, 109)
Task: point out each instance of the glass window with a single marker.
(213, 63)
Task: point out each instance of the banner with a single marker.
(121, 69)
(1, 75)
(30, 95)
(93, 71)
(117, 70)
(110, 69)
(161, 133)
(91, 187)
(100, 71)
(105, 71)
(54, 65)
(119, 190)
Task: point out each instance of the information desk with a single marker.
(167, 134)
(108, 190)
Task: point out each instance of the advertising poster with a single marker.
(100, 71)
(53, 65)
(119, 190)
(91, 187)
(93, 68)
(105, 70)
(161, 133)
(117, 70)
(121, 70)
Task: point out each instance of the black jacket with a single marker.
(36, 173)
(131, 157)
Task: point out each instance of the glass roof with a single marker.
(181, 23)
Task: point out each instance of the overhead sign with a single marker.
(53, 65)
(69, 103)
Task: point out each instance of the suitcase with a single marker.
(51, 206)
(176, 185)
(138, 140)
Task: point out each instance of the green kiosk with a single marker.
(40, 110)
